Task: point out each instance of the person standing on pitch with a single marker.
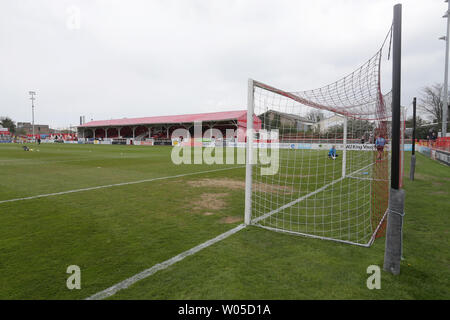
(332, 154)
(380, 143)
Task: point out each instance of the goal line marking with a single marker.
(316, 236)
(369, 179)
(115, 185)
(161, 266)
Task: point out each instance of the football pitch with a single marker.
(115, 211)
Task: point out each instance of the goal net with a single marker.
(333, 151)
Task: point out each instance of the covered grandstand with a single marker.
(160, 128)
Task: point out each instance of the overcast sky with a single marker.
(114, 59)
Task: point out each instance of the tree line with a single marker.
(429, 111)
(7, 122)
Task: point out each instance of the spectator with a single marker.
(380, 143)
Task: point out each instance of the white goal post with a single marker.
(341, 198)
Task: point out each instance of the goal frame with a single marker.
(250, 146)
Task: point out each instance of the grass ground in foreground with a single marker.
(259, 264)
(114, 233)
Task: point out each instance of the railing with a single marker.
(141, 136)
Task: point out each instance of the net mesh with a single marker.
(332, 179)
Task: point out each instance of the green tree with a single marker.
(315, 115)
(7, 122)
(276, 122)
(356, 129)
(265, 122)
(422, 127)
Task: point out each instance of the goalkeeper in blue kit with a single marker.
(332, 154)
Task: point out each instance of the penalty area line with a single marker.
(115, 185)
(161, 266)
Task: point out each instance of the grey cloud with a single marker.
(144, 58)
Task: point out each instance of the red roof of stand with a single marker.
(186, 118)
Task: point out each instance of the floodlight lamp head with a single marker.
(445, 15)
(31, 92)
(443, 38)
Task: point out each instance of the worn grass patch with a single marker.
(221, 183)
(231, 219)
(239, 185)
(210, 201)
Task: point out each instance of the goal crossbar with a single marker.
(299, 99)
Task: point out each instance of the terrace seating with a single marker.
(141, 137)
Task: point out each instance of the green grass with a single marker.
(114, 233)
(110, 233)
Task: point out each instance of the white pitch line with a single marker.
(114, 185)
(308, 235)
(368, 179)
(161, 266)
(38, 162)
